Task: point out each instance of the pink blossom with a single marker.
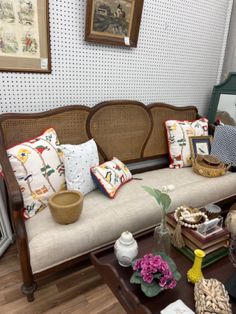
(137, 264)
(150, 265)
(172, 284)
(156, 262)
(163, 267)
(163, 281)
(148, 278)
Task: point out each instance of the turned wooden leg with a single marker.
(28, 291)
(29, 285)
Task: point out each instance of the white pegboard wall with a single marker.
(177, 59)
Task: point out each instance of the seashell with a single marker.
(211, 297)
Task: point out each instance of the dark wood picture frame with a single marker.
(31, 33)
(114, 24)
(195, 141)
(227, 87)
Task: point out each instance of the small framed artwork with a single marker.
(200, 145)
(114, 22)
(24, 36)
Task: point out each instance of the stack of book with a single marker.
(214, 245)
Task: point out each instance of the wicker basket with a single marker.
(66, 206)
(209, 166)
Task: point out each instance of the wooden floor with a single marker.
(78, 292)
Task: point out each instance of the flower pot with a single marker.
(155, 273)
(66, 206)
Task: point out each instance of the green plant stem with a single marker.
(163, 217)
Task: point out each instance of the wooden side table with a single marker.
(131, 296)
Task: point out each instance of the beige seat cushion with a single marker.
(103, 219)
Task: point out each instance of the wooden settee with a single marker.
(128, 130)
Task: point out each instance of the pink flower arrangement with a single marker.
(155, 273)
(150, 265)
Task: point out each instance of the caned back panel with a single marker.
(121, 129)
(69, 124)
(128, 130)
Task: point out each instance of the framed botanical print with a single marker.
(114, 22)
(200, 145)
(24, 36)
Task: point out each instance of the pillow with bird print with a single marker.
(110, 176)
(39, 170)
(178, 133)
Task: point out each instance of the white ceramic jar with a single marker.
(126, 249)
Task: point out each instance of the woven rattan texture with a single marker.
(128, 130)
(177, 59)
(121, 130)
(70, 127)
(157, 143)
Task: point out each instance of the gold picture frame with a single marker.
(114, 22)
(24, 36)
(200, 145)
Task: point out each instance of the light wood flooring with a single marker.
(80, 292)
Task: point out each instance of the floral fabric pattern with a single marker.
(110, 176)
(39, 170)
(178, 133)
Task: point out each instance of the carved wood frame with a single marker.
(100, 37)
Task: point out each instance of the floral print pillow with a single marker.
(178, 133)
(39, 170)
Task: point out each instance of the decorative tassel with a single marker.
(177, 239)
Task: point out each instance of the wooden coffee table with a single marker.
(130, 295)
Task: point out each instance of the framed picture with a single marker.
(200, 145)
(114, 22)
(24, 36)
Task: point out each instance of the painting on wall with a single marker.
(114, 22)
(24, 36)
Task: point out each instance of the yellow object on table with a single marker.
(194, 274)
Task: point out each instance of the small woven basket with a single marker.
(66, 206)
(209, 166)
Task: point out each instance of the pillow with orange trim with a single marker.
(110, 176)
(39, 170)
(178, 133)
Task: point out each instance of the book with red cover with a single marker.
(194, 237)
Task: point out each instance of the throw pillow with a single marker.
(39, 170)
(178, 133)
(110, 176)
(78, 159)
(223, 144)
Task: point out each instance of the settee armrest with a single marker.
(15, 200)
(13, 190)
(16, 205)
